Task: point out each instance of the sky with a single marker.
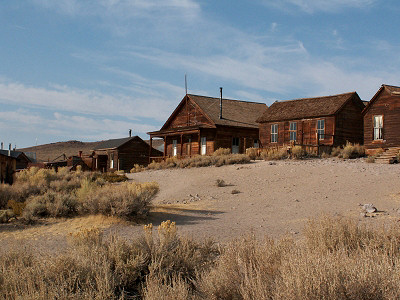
(90, 70)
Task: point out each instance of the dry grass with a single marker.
(200, 161)
(349, 151)
(39, 193)
(274, 154)
(338, 259)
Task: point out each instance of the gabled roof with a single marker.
(236, 113)
(114, 143)
(393, 90)
(306, 107)
(14, 154)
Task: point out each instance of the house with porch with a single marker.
(382, 122)
(200, 125)
(120, 154)
(315, 123)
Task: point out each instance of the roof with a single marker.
(234, 112)
(114, 143)
(306, 108)
(6, 155)
(393, 90)
(13, 153)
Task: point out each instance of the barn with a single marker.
(382, 121)
(122, 154)
(316, 123)
(200, 125)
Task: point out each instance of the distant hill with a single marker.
(49, 152)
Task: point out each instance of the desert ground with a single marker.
(271, 199)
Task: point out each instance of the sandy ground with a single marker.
(275, 198)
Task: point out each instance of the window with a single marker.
(293, 131)
(274, 133)
(203, 145)
(378, 126)
(321, 129)
(256, 144)
(112, 161)
(174, 147)
(189, 146)
(235, 145)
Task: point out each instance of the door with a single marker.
(174, 147)
(203, 145)
(235, 145)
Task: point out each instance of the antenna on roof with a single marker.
(186, 83)
(220, 104)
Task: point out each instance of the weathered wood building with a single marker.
(382, 120)
(122, 154)
(22, 159)
(201, 125)
(334, 119)
(8, 166)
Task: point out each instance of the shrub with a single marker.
(349, 151)
(370, 159)
(137, 168)
(253, 153)
(298, 152)
(128, 200)
(113, 177)
(274, 154)
(222, 151)
(95, 268)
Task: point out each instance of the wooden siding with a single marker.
(349, 124)
(7, 169)
(126, 156)
(220, 137)
(306, 132)
(188, 115)
(388, 106)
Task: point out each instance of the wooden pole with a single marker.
(198, 141)
(181, 145)
(165, 147)
(151, 147)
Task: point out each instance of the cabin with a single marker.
(382, 120)
(8, 166)
(22, 160)
(200, 125)
(316, 123)
(122, 154)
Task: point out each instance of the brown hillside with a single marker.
(49, 152)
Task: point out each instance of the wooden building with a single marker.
(382, 120)
(22, 159)
(122, 154)
(201, 125)
(334, 119)
(8, 166)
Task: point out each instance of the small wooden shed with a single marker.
(313, 122)
(122, 154)
(201, 125)
(382, 120)
(8, 166)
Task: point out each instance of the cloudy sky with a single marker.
(92, 69)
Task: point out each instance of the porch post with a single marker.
(165, 147)
(244, 146)
(198, 141)
(151, 148)
(181, 144)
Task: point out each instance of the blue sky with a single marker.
(92, 69)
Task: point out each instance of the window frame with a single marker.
(274, 133)
(174, 147)
(380, 129)
(321, 136)
(293, 131)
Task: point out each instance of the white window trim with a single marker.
(319, 130)
(378, 128)
(273, 133)
(293, 131)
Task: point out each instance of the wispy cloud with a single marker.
(311, 6)
(91, 102)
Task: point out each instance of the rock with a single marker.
(369, 208)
